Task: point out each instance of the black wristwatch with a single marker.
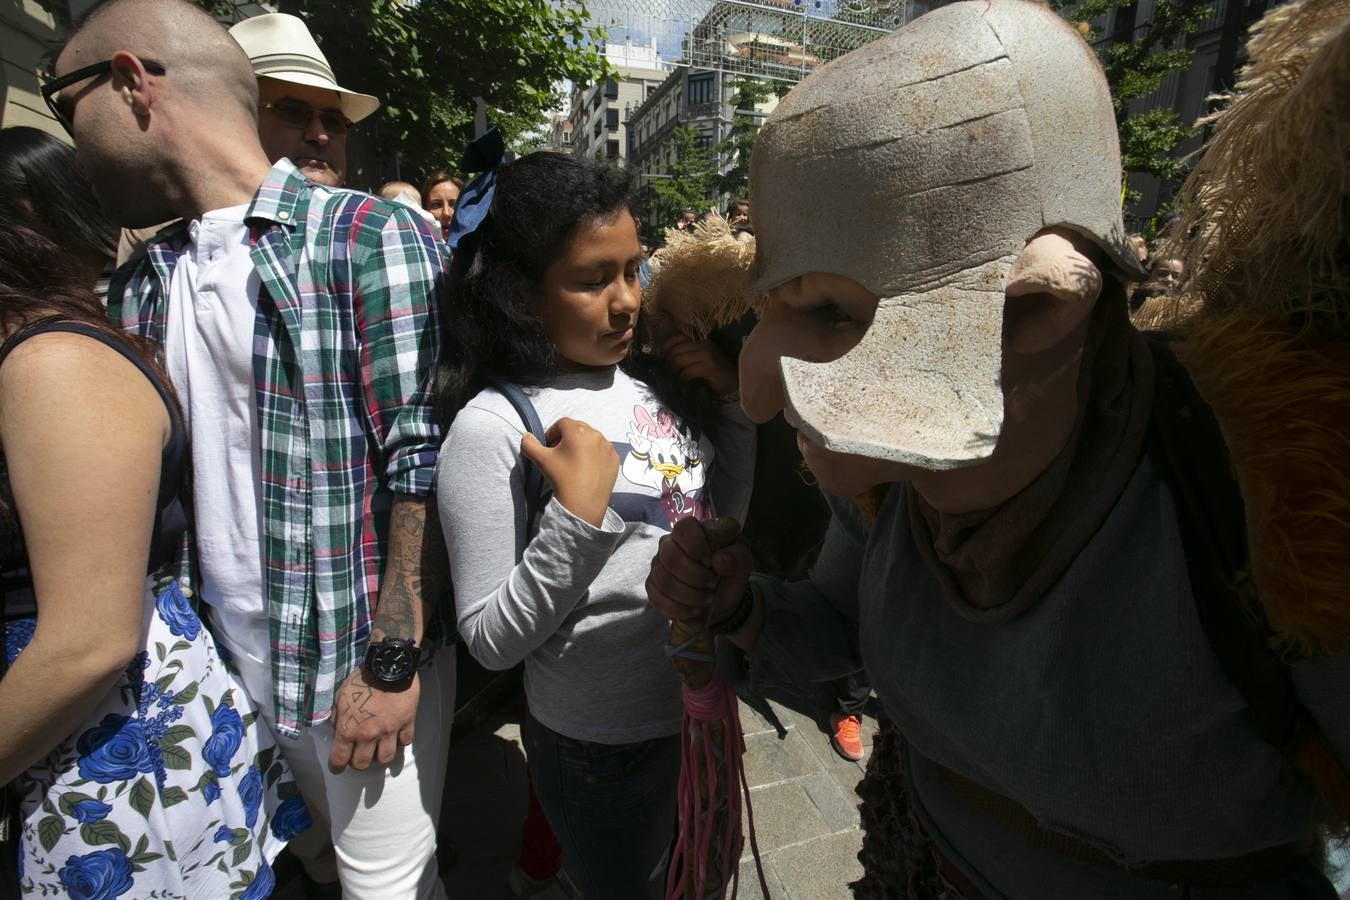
(392, 660)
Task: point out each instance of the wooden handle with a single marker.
(720, 533)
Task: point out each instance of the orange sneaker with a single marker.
(844, 737)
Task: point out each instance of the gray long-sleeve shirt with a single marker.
(571, 602)
(1102, 709)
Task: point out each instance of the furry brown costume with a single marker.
(1266, 322)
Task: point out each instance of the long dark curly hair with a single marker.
(490, 333)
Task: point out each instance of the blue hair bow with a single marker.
(484, 156)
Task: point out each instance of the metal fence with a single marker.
(772, 39)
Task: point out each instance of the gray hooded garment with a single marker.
(1101, 709)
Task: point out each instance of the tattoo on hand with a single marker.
(357, 698)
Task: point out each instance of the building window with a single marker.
(701, 89)
(703, 140)
(595, 99)
(611, 89)
(612, 149)
(611, 119)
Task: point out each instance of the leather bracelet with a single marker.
(736, 621)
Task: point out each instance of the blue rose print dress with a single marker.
(171, 788)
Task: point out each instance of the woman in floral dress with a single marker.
(134, 761)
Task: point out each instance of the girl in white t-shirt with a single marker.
(544, 294)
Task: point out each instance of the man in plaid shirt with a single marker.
(300, 329)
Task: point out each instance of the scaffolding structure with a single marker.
(780, 40)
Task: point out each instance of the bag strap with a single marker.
(1187, 446)
(536, 486)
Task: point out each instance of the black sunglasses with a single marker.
(52, 86)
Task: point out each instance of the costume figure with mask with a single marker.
(1013, 557)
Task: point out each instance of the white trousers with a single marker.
(382, 822)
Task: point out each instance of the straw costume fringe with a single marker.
(701, 279)
(1268, 337)
(1265, 328)
(1263, 208)
(1165, 312)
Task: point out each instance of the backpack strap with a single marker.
(536, 486)
(1187, 446)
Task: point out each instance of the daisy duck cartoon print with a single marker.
(666, 457)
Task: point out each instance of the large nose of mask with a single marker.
(920, 166)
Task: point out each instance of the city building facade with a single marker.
(1216, 51)
(560, 134)
(698, 98)
(29, 36)
(595, 123)
(774, 41)
(780, 40)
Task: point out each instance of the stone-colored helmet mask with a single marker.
(920, 166)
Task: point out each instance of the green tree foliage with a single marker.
(738, 145)
(428, 60)
(1136, 67)
(693, 175)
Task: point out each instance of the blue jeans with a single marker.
(612, 807)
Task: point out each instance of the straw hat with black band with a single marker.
(280, 47)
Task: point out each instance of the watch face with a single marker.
(392, 662)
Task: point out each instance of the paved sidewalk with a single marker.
(805, 811)
(806, 814)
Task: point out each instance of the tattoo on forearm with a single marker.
(416, 569)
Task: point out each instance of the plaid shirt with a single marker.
(344, 352)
